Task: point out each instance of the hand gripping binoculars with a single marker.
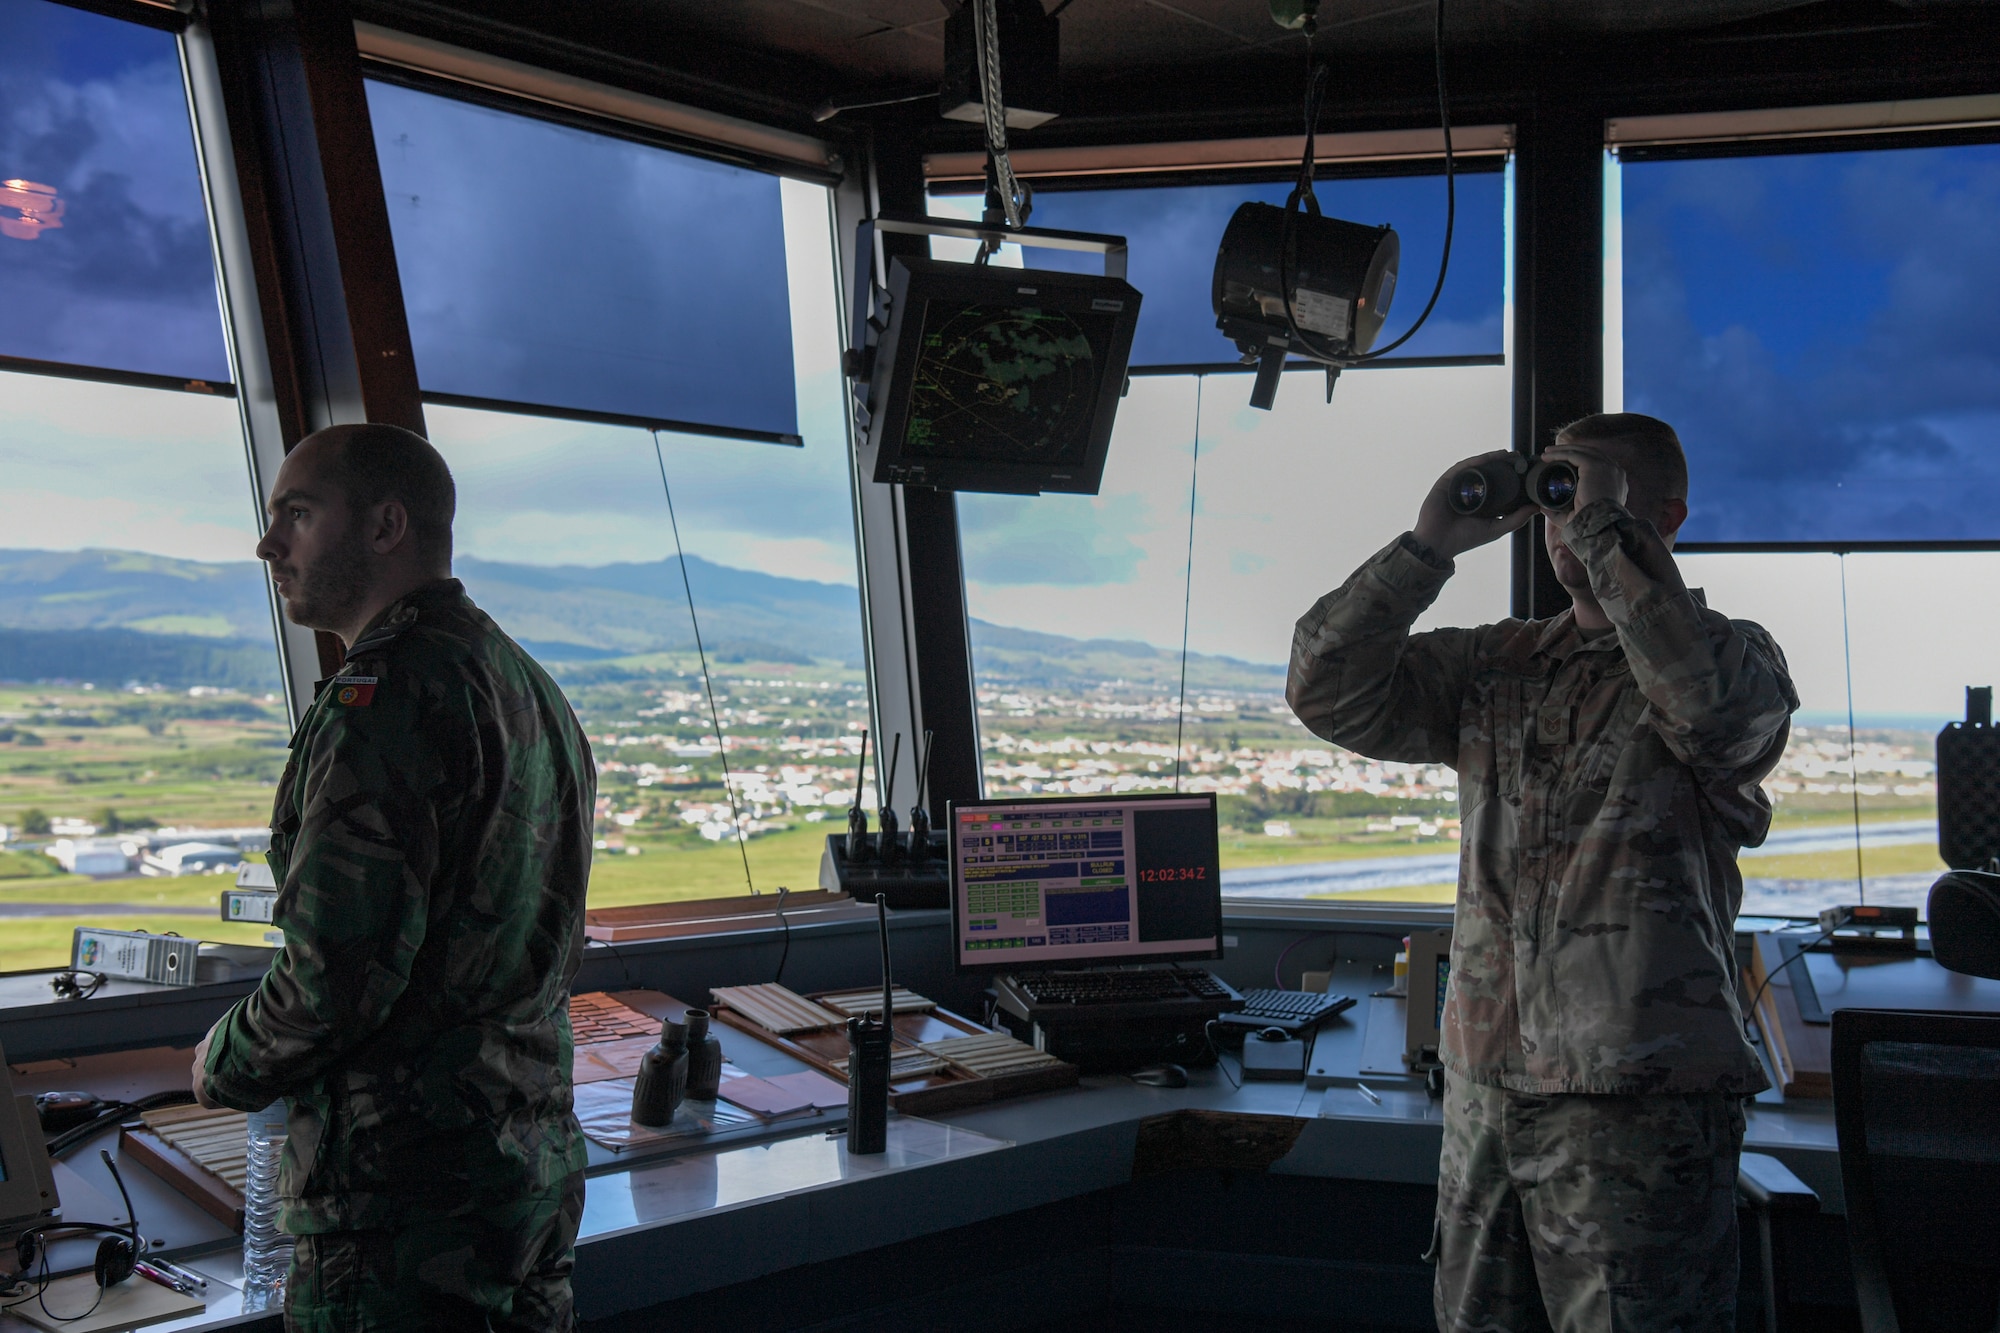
(1495, 486)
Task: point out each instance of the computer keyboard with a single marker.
(1295, 1011)
(1172, 993)
(1084, 988)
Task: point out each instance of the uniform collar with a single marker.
(1560, 637)
(405, 611)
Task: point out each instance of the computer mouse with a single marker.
(1161, 1076)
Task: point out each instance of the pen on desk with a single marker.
(1367, 1092)
(187, 1275)
(152, 1274)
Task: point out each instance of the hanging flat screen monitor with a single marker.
(1085, 881)
(997, 379)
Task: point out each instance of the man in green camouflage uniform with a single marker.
(431, 843)
(1609, 763)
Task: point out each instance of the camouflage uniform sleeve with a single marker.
(1719, 689)
(1360, 679)
(354, 904)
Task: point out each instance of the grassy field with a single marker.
(1414, 893)
(675, 871)
(155, 759)
(1899, 859)
(140, 890)
(28, 865)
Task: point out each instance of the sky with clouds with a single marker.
(1822, 329)
(1827, 316)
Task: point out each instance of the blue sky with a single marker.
(1822, 329)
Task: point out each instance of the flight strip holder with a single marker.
(872, 316)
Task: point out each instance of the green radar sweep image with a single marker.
(1004, 382)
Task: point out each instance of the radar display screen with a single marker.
(1006, 383)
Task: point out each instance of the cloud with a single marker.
(1914, 650)
(1820, 331)
(1290, 501)
(138, 469)
(1050, 539)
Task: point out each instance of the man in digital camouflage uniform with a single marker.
(1609, 762)
(431, 842)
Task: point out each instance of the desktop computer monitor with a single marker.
(1073, 882)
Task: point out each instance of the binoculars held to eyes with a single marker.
(1497, 485)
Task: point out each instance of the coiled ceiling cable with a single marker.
(1316, 80)
(1016, 199)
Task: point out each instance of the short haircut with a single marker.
(377, 462)
(1660, 468)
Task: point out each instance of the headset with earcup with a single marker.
(117, 1253)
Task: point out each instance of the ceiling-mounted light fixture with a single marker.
(36, 208)
(1291, 282)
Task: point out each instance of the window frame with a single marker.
(1342, 156)
(423, 64)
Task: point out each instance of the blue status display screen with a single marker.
(1087, 880)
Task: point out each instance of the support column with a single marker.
(913, 583)
(1558, 306)
(307, 261)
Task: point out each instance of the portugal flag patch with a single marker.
(354, 691)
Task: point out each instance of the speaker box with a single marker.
(1968, 781)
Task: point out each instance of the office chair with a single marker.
(1964, 916)
(1916, 1103)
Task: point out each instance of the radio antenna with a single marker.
(924, 767)
(895, 754)
(861, 770)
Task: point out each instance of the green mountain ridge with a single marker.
(111, 616)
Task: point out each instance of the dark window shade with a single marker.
(104, 245)
(1824, 332)
(551, 266)
(1174, 231)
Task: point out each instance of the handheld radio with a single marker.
(868, 1046)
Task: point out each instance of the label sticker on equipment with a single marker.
(1319, 312)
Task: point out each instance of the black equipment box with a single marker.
(903, 885)
(1968, 783)
(1113, 1048)
(1135, 1018)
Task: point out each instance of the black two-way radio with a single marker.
(868, 1045)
